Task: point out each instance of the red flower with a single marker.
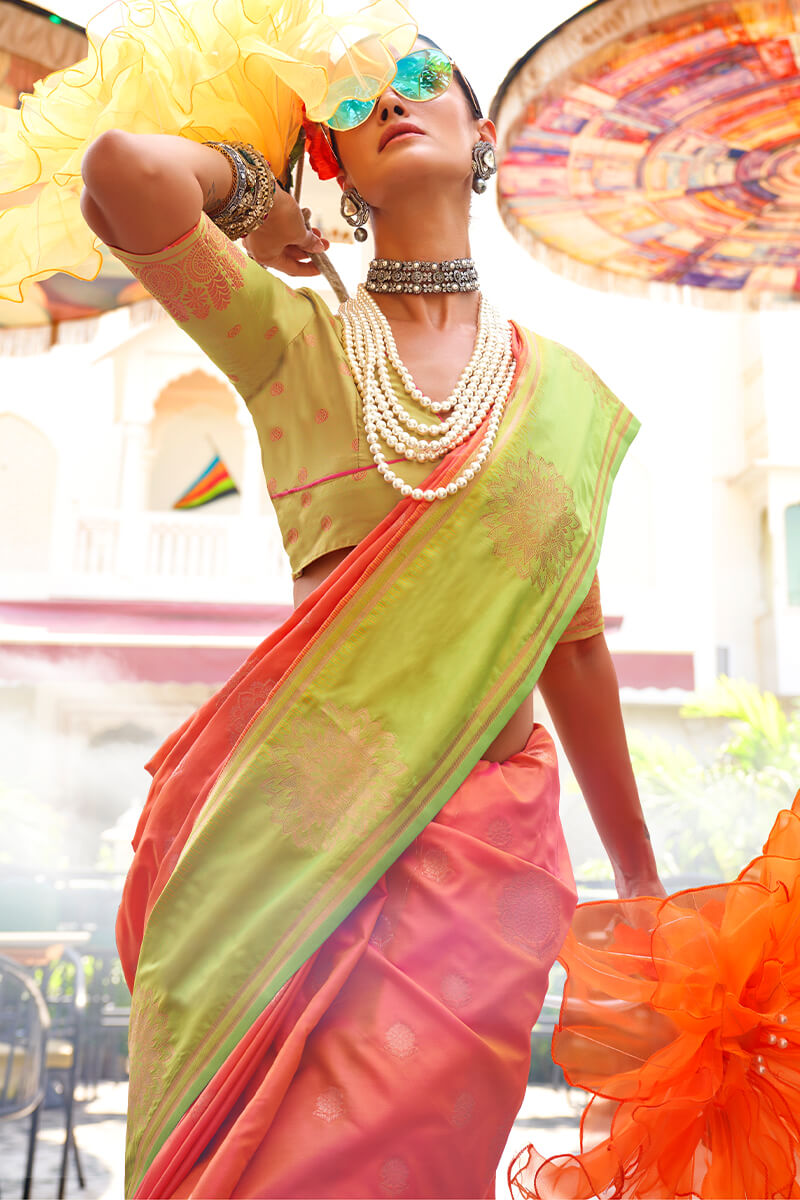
(320, 152)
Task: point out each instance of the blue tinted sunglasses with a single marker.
(420, 76)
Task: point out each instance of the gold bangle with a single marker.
(253, 196)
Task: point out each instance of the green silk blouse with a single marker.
(282, 349)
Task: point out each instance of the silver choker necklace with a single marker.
(452, 275)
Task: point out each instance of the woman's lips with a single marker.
(397, 131)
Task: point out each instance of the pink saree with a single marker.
(397, 1056)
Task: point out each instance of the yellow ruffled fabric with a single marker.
(232, 70)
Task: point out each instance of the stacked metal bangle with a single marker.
(253, 192)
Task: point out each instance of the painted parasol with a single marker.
(34, 42)
(654, 144)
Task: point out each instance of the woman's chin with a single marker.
(413, 165)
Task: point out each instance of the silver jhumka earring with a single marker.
(484, 165)
(355, 211)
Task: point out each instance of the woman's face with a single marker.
(412, 144)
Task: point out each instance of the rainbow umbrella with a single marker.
(649, 144)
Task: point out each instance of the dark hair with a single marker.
(462, 81)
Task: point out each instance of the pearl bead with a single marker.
(782, 1018)
(417, 493)
(429, 495)
(782, 1043)
(406, 489)
(451, 489)
(772, 1039)
(761, 1069)
(397, 483)
(441, 493)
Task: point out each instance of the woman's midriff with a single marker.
(512, 739)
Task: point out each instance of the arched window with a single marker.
(194, 423)
(793, 552)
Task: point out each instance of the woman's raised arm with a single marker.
(142, 191)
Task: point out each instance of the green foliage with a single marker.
(765, 737)
(711, 818)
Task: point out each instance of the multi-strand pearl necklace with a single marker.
(481, 391)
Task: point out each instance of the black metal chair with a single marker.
(24, 1028)
(107, 1017)
(63, 985)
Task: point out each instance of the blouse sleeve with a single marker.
(237, 312)
(588, 620)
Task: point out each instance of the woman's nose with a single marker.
(390, 104)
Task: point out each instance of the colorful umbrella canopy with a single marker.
(658, 142)
(34, 42)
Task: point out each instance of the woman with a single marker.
(350, 879)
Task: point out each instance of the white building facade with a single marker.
(120, 615)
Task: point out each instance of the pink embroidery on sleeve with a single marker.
(277, 388)
(206, 276)
(276, 433)
(321, 416)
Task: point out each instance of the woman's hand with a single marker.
(284, 242)
(642, 885)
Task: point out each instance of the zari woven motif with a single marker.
(658, 141)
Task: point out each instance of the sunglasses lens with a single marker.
(350, 113)
(423, 75)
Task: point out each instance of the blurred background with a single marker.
(140, 557)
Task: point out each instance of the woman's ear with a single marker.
(487, 130)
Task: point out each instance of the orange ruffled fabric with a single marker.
(229, 70)
(682, 1016)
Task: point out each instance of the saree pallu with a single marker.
(279, 805)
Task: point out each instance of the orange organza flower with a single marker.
(682, 1017)
(320, 151)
